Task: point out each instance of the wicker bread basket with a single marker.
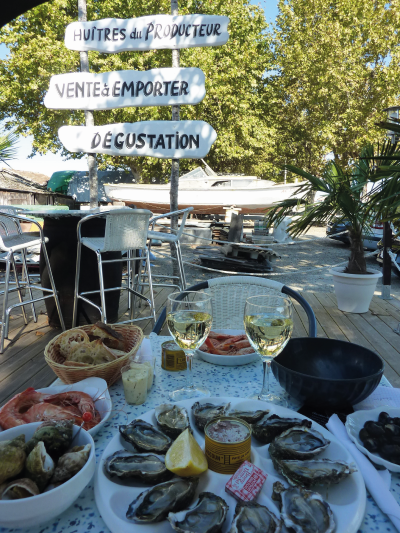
(111, 372)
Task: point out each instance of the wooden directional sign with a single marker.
(147, 33)
(186, 139)
(124, 88)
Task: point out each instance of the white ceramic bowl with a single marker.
(355, 422)
(29, 512)
(228, 360)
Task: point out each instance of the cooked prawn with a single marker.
(228, 345)
(32, 406)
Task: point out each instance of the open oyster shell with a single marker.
(298, 443)
(205, 412)
(271, 426)
(172, 419)
(56, 436)
(18, 489)
(147, 467)
(207, 516)
(313, 472)
(154, 504)
(251, 417)
(302, 510)
(70, 463)
(145, 437)
(39, 465)
(255, 518)
(12, 457)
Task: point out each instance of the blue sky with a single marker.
(50, 163)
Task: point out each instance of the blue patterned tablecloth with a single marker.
(241, 381)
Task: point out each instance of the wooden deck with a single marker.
(22, 364)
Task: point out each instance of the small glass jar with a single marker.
(135, 383)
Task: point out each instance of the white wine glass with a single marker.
(268, 324)
(189, 319)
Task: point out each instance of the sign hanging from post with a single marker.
(164, 139)
(126, 88)
(147, 33)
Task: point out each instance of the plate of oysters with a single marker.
(312, 484)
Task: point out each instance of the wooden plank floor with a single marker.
(22, 364)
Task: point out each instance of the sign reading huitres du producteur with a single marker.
(147, 33)
(163, 139)
(125, 88)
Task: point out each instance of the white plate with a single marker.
(355, 422)
(228, 360)
(96, 388)
(347, 499)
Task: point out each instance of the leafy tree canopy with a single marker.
(234, 104)
(336, 67)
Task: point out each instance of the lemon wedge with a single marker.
(185, 457)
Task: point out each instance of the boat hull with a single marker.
(204, 201)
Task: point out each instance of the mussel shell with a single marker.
(147, 467)
(39, 465)
(302, 510)
(313, 472)
(251, 417)
(172, 419)
(145, 437)
(12, 457)
(154, 504)
(252, 516)
(207, 516)
(267, 429)
(205, 412)
(298, 443)
(18, 489)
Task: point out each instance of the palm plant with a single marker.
(344, 199)
(8, 148)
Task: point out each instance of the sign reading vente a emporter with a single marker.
(126, 88)
(163, 139)
(147, 33)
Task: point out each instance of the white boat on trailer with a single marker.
(207, 192)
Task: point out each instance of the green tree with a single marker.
(336, 67)
(8, 146)
(234, 104)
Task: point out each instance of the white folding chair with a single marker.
(13, 240)
(125, 230)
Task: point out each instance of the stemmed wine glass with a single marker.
(189, 319)
(268, 324)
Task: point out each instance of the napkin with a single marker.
(374, 482)
(389, 396)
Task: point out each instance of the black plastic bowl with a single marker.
(326, 372)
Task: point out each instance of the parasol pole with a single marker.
(92, 164)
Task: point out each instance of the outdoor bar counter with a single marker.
(230, 381)
(60, 229)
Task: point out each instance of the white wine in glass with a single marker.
(268, 324)
(189, 320)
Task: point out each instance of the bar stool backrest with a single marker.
(126, 229)
(8, 226)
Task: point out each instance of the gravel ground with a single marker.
(297, 266)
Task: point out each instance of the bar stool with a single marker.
(173, 238)
(12, 240)
(125, 230)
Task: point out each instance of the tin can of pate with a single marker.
(173, 358)
(227, 444)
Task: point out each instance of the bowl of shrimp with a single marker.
(87, 402)
(227, 347)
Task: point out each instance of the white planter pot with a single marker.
(354, 291)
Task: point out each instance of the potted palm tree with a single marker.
(8, 148)
(344, 199)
